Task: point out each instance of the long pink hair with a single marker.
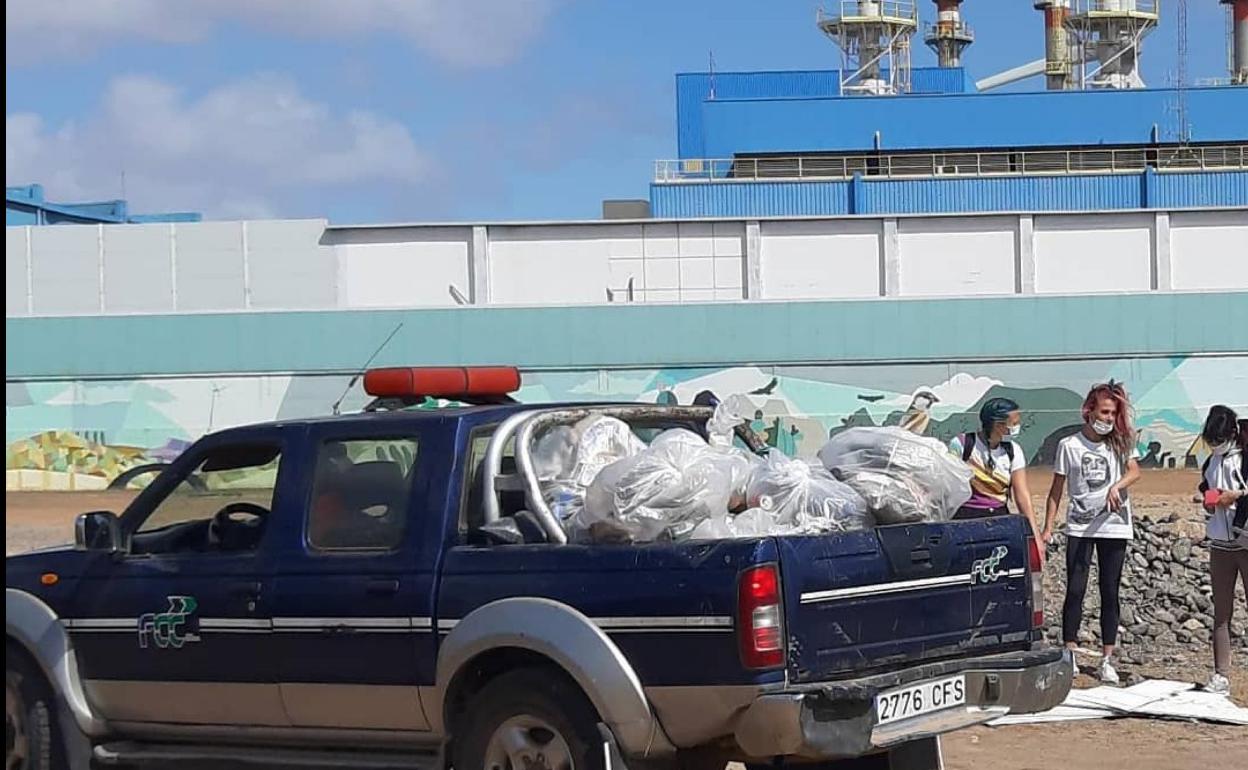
(1123, 437)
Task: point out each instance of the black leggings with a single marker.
(1110, 555)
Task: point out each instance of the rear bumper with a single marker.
(837, 719)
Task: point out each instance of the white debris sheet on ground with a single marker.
(1157, 698)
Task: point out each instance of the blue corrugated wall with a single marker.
(694, 88)
(923, 196)
(801, 123)
(1195, 190)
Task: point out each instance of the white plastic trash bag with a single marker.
(731, 412)
(601, 441)
(752, 523)
(665, 492)
(555, 453)
(802, 496)
(903, 477)
(567, 458)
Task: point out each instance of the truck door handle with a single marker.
(383, 587)
(247, 589)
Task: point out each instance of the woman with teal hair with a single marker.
(999, 465)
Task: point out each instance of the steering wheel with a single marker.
(236, 517)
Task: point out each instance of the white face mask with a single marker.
(1102, 428)
(1014, 430)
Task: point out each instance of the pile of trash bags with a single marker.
(903, 477)
(605, 485)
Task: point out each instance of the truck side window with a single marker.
(223, 504)
(472, 511)
(360, 493)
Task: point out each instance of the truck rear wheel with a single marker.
(531, 719)
(29, 709)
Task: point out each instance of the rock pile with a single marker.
(1166, 596)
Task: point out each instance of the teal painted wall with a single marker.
(87, 398)
(637, 336)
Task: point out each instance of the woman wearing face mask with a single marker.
(1223, 491)
(999, 464)
(1096, 465)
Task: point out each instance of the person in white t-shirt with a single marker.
(998, 464)
(1224, 493)
(1096, 466)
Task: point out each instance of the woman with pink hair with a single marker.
(1096, 466)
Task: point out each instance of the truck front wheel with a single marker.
(530, 719)
(29, 712)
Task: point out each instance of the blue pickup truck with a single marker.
(330, 592)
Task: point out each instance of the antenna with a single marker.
(710, 55)
(1185, 131)
(364, 368)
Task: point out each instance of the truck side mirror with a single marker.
(97, 531)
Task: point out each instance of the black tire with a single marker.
(546, 695)
(32, 739)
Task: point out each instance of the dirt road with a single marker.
(1121, 744)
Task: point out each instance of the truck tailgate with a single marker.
(904, 594)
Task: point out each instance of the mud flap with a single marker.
(923, 754)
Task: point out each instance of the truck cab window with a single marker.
(221, 505)
(360, 493)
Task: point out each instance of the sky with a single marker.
(416, 110)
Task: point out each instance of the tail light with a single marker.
(760, 618)
(1035, 567)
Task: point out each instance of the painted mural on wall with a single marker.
(87, 435)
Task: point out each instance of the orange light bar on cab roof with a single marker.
(416, 381)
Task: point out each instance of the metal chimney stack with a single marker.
(949, 36)
(1058, 62)
(874, 38)
(1109, 36)
(1239, 40)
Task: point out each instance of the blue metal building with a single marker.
(787, 144)
(27, 206)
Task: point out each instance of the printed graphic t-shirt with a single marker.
(990, 486)
(1091, 468)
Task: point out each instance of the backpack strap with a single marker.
(1204, 468)
(968, 446)
(1240, 519)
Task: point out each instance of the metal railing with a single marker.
(867, 9)
(1229, 157)
(1141, 7)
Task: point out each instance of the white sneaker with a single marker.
(1108, 674)
(1218, 685)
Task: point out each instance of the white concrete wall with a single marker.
(1078, 254)
(957, 257)
(406, 267)
(551, 265)
(302, 264)
(821, 259)
(1214, 246)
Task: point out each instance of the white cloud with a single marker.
(246, 148)
(467, 33)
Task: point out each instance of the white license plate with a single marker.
(921, 698)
